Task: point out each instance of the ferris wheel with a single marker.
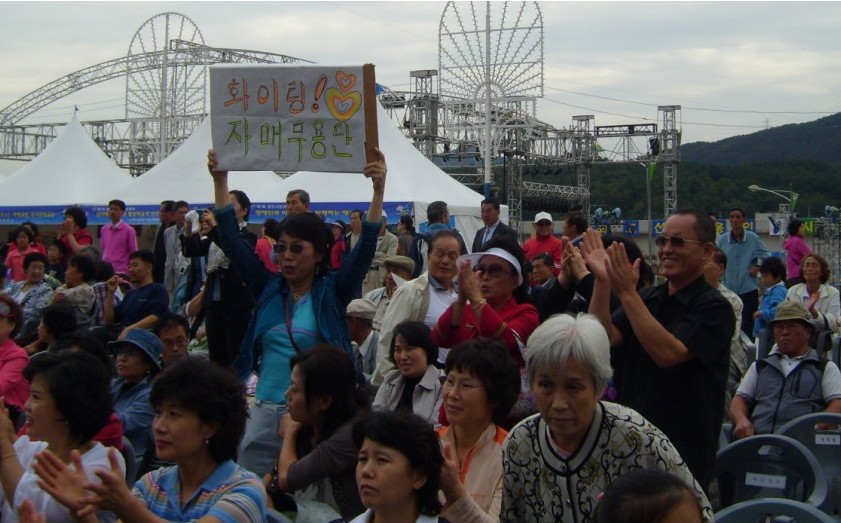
(491, 48)
(165, 80)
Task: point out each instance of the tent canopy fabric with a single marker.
(71, 170)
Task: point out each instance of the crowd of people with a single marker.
(348, 373)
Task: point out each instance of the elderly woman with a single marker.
(77, 290)
(200, 413)
(821, 300)
(68, 406)
(558, 461)
(33, 293)
(481, 387)
(416, 383)
(492, 300)
(398, 469)
(302, 305)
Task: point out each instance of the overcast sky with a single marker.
(735, 68)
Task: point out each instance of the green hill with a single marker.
(816, 141)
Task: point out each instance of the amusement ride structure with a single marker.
(475, 116)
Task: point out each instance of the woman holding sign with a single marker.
(301, 306)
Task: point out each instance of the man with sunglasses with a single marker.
(670, 343)
(745, 251)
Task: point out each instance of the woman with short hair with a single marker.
(577, 445)
(77, 290)
(820, 299)
(32, 293)
(200, 413)
(398, 469)
(481, 387)
(23, 246)
(415, 385)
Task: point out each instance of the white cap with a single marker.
(474, 258)
(543, 216)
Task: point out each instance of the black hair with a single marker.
(15, 314)
(33, 257)
(59, 319)
(741, 211)
(144, 255)
(119, 203)
(510, 245)
(435, 211)
(59, 245)
(491, 200)
(408, 223)
(329, 371)
(243, 201)
(25, 230)
(168, 205)
(487, 359)
(794, 226)
(413, 437)
(415, 334)
(85, 265)
(310, 227)
(169, 320)
(211, 391)
(32, 227)
(821, 261)
(85, 341)
(181, 203)
(719, 257)
(704, 227)
(104, 270)
(578, 219)
(80, 387)
(545, 257)
(78, 215)
(773, 266)
(643, 496)
(271, 226)
(357, 211)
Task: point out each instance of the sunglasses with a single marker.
(492, 270)
(676, 241)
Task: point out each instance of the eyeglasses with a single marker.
(676, 241)
(295, 248)
(544, 223)
(492, 271)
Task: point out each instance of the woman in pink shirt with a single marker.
(23, 246)
(13, 386)
(796, 251)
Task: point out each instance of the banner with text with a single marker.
(292, 117)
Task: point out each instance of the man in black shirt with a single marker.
(670, 344)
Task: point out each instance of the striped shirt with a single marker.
(231, 494)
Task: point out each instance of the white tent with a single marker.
(183, 176)
(412, 179)
(71, 170)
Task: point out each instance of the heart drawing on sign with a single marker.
(343, 106)
(345, 81)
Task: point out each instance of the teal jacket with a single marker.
(331, 293)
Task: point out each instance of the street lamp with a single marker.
(791, 199)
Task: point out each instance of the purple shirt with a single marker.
(118, 242)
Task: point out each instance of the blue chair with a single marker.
(131, 462)
(826, 447)
(769, 466)
(760, 510)
(835, 351)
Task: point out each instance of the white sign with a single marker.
(289, 117)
